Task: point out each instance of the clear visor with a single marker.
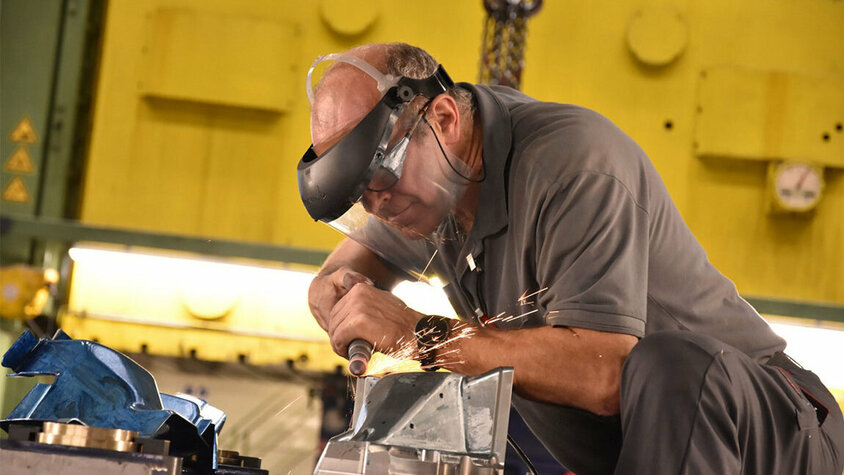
(390, 169)
(410, 213)
(383, 81)
(407, 209)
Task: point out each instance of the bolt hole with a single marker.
(192, 353)
(441, 395)
(144, 348)
(669, 125)
(825, 137)
(838, 127)
(241, 358)
(411, 425)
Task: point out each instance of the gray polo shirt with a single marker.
(574, 227)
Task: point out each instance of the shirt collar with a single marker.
(491, 215)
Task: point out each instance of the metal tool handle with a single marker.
(359, 350)
(359, 353)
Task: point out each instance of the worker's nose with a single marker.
(374, 201)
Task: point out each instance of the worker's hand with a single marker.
(373, 315)
(327, 289)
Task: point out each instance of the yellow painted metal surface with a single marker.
(229, 172)
(765, 115)
(575, 55)
(220, 59)
(657, 35)
(201, 168)
(349, 17)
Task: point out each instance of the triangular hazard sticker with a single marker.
(24, 132)
(19, 162)
(16, 191)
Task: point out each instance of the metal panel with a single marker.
(217, 59)
(761, 115)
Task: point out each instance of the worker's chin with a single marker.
(415, 224)
(413, 232)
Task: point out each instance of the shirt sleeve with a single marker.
(592, 255)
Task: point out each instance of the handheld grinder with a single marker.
(359, 350)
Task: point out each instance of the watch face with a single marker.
(798, 186)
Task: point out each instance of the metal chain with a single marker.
(503, 42)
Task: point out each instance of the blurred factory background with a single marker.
(149, 198)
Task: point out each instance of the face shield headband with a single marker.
(331, 183)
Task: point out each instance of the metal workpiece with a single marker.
(103, 390)
(425, 423)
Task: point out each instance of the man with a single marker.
(565, 256)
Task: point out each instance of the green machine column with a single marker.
(48, 55)
(28, 49)
(29, 40)
(47, 61)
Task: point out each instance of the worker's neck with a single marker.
(473, 155)
(474, 148)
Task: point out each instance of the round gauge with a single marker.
(797, 186)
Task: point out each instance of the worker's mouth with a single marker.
(399, 218)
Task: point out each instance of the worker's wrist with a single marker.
(432, 332)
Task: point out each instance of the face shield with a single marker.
(389, 183)
(329, 184)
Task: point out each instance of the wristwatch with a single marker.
(431, 331)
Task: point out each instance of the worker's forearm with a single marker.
(358, 258)
(574, 367)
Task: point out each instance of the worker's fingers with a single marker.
(352, 278)
(324, 292)
(374, 315)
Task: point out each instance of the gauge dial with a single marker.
(797, 186)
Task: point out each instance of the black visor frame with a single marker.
(331, 183)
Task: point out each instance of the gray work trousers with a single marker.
(691, 404)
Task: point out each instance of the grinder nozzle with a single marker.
(359, 353)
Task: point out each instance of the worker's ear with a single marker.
(444, 116)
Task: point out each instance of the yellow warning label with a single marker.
(16, 191)
(19, 162)
(24, 132)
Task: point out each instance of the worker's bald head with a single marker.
(344, 95)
